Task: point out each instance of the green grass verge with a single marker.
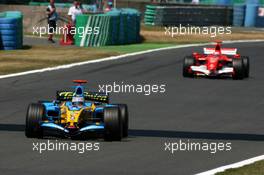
(41, 56)
(253, 169)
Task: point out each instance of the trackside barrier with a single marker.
(11, 30)
(250, 18)
(150, 14)
(223, 2)
(260, 17)
(188, 15)
(209, 2)
(239, 15)
(246, 14)
(113, 28)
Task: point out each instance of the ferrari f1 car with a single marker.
(216, 62)
(77, 114)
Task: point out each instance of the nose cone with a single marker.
(212, 63)
(211, 67)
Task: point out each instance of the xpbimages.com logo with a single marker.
(187, 145)
(145, 89)
(212, 31)
(50, 145)
(47, 30)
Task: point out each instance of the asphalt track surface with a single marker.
(198, 110)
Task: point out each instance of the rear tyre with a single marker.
(188, 61)
(238, 67)
(35, 115)
(113, 124)
(124, 118)
(246, 65)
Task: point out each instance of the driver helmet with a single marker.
(78, 101)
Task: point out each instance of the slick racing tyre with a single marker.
(238, 67)
(124, 118)
(113, 124)
(245, 65)
(187, 62)
(35, 115)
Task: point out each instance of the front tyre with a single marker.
(35, 115)
(188, 61)
(124, 118)
(113, 124)
(238, 67)
(246, 65)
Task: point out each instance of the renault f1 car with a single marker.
(77, 114)
(216, 62)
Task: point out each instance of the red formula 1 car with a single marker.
(216, 62)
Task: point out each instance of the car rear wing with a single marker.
(224, 51)
(89, 96)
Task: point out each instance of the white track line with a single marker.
(114, 58)
(234, 165)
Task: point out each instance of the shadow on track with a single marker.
(167, 134)
(195, 135)
(12, 127)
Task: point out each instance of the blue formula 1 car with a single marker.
(77, 114)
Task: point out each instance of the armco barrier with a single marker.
(115, 27)
(190, 15)
(11, 30)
